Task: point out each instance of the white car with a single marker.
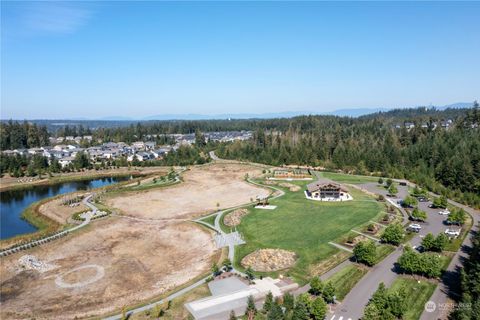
(445, 212)
(415, 227)
(452, 232)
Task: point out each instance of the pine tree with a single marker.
(267, 305)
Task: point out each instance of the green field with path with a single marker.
(304, 226)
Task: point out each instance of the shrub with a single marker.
(409, 201)
(365, 252)
(426, 264)
(419, 215)
(393, 234)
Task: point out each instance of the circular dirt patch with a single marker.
(80, 276)
(235, 217)
(266, 260)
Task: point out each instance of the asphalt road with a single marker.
(354, 303)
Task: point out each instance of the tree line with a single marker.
(444, 161)
(17, 135)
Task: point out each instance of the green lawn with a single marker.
(417, 295)
(346, 178)
(346, 279)
(304, 226)
(210, 220)
(383, 250)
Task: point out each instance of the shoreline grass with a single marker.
(44, 225)
(79, 176)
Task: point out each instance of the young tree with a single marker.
(441, 241)
(316, 286)
(249, 273)
(409, 201)
(215, 269)
(393, 234)
(380, 180)
(275, 312)
(458, 216)
(428, 242)
(389, 182)
(397, 303)
(392, 190)
(419, 215)
(251, 309)
(365, 252)
(372, 312)
(426, 264)
(300, 312)
(440, 202)
(227, 264)
(328, 293)
(267, 305)
(318, 309)
(288, 301)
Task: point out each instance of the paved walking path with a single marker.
(339, 246)
(366, 235)
(217, 228)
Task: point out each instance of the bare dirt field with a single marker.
(58, 212)
(111, 263)
(120, 261)
(202, 189)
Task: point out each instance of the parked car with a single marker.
(445, 212)
(422, 199)
(453, 232)
(419, 248)
(415, 227)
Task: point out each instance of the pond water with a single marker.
(13, 203)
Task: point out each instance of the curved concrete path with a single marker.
(217, 228)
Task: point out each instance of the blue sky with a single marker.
(135, 59)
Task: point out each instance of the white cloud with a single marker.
(54, 17)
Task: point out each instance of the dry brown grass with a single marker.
(234, 218)
(140, 260)
(58, 212)
(267, 260)
(203, 188)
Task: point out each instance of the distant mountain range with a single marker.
(350, 112)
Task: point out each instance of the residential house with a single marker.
(64, 162)
(139, 145)
(33, 151)
(150, 145)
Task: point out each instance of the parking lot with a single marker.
(434, 223)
